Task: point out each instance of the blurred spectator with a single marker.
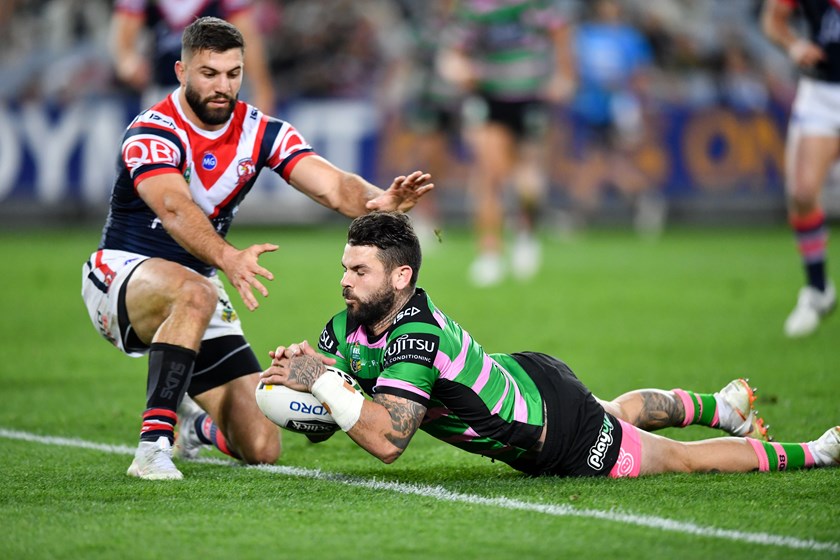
(511, 56)
(146, 43)
(423, 129)
(813, 145)
(54, 49)
(335, 48)
(613, 61)
(742, 87)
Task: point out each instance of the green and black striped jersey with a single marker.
(482, 403)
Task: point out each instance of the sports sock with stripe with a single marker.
(210, 434)
(700, 408)
(170, 368)
(812, 240)
(774, 456)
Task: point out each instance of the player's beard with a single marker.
(204, 113)
(369, 312)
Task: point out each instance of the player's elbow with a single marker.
(386, 452)
(389, 458)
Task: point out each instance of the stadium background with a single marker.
(713, 148)
(696, 308)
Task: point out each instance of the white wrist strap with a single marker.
(343, 402)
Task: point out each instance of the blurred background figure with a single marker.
(813, 144)
(613, 63)
(423, 125)
(145, 43)
(512, 58)
(54, 50)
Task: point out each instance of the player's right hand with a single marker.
(805, 53)
(242, 269)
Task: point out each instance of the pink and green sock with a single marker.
(774, 456)
(700, 408)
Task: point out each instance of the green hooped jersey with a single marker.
(482, 403)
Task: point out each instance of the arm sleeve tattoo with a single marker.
(406, 417)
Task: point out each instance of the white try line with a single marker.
(444, 495)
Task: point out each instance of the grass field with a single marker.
(693, 309)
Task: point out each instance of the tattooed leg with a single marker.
(648, 409)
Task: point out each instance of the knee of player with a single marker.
(803, 199)
(198, 294)
(263, 452)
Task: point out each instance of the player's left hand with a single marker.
(309, 365)
(403, 193)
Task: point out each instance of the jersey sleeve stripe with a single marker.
(414, 395)
(399, 384)
(158, 132)
(154, 171)
(285, 168)
(266, 142)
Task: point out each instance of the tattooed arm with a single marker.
(386, 426)
(386, 423)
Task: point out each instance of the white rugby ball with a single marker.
(296, 411)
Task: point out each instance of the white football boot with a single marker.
(736, 414)
(487, 270)
(811, 306)
(526, 257)
(187, 444)
(826, 450)
(153, 461)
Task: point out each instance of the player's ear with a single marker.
(181, 71)
(401, 277)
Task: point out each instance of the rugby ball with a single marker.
(296, 411)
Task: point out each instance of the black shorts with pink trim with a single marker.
(581, 439)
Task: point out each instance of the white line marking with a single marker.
(444, 495)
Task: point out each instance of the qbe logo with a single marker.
(145, 151)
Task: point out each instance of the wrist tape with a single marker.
(343, 402)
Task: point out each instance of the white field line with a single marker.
(444, 495)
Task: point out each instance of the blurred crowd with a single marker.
(631, 61)
(704, 51)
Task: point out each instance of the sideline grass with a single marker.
(693, 310)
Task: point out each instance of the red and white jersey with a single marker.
(823, 21)
(219, 166)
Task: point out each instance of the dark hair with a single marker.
(392, 234)
(210, 33)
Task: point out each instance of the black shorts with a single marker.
(221, 360)
(582, 439)
(528, 120)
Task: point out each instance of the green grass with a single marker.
(693, 309)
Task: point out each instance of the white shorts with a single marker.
(103, 276)
(816, 108)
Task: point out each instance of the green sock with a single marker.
(781, 456)
(700, 408)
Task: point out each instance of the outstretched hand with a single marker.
(242, 269)
(403, 193)
(305, 372)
